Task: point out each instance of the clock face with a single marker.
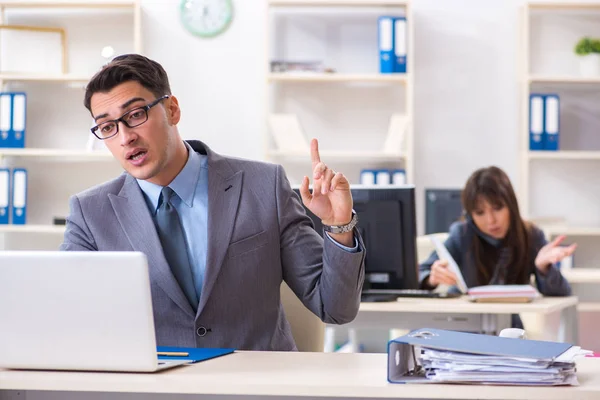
(206, 18)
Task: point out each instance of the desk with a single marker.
(461, 314)
(282, 375)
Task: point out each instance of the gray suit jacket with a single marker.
(258, 235)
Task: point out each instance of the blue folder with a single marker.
(194, 354)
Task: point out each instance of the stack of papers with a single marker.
(503, 293)
(430, 355)
(447, 366)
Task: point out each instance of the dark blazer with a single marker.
(458, 243)
(258, 236)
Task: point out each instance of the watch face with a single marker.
(206, 18)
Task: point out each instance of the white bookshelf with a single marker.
(564, 155)
(549, 65)
(350, 111)
(30, 228)
(57, 133)
(338, 3)
(336, 156)
(60, 154)
(556, 188)
(581, 275)
(335, 77)
(566, 80)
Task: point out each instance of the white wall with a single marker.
(466, 112)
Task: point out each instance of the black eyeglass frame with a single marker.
(146, 108)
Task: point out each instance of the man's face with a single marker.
(147, 150)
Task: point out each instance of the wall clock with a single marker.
(206, 18)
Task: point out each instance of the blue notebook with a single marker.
(194, 354)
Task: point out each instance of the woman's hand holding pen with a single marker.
(440, 274)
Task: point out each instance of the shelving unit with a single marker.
(555, 190)
(57, 127)
(348, 110)
(548, 64)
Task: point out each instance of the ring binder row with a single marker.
(544, 122)
(13, 114)
(383, 177)
(392, 44)
(13, 196)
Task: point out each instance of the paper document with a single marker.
(503, 293)
(444, 254)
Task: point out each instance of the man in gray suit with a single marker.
(220, 233)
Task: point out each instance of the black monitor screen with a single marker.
(387, 224)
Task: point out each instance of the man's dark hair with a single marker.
(126, 68)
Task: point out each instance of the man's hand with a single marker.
(331, 199)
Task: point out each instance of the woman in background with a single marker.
(494, 245)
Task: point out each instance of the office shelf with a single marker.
(358, 156)
(572, 230)
(68, 4)
(24, 77)
(62, 154)
(564, 155)
(590, 306)
(563, 6)
(339, 3)
(46, 229)
(334, 77)
(563, 79)
(581, 275)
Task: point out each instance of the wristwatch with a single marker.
(342, 228)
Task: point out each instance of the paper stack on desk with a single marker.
(440, 356)
(503, 294)
(445, 366)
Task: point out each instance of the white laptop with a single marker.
(87, 311)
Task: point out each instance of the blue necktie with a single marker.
(172, 238)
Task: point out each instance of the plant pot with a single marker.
(589, 65)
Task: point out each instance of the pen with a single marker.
(173, 354)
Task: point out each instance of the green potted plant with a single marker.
(588, 50)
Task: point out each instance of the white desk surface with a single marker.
(543, 305)
(291, 374)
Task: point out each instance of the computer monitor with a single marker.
(442, 208)
(387, 224)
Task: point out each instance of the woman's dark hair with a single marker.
(126, 68)
(492, 185)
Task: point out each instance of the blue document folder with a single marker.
(194, 354)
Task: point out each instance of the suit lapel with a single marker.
(224, 188)
(135, 219)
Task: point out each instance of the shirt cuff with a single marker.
(341, 246)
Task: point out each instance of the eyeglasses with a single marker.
(130, 119)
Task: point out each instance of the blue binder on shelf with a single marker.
(5, 119)
(400, 44)
(19, 116)
(404, 367)
(19, 197)
(551, 122)
(194, 354)
(4, 195)
(13, 109)
(536, 122)
(386, 44)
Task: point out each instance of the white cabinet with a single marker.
(362, 118)
(57, 156)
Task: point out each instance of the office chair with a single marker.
(308, 330)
